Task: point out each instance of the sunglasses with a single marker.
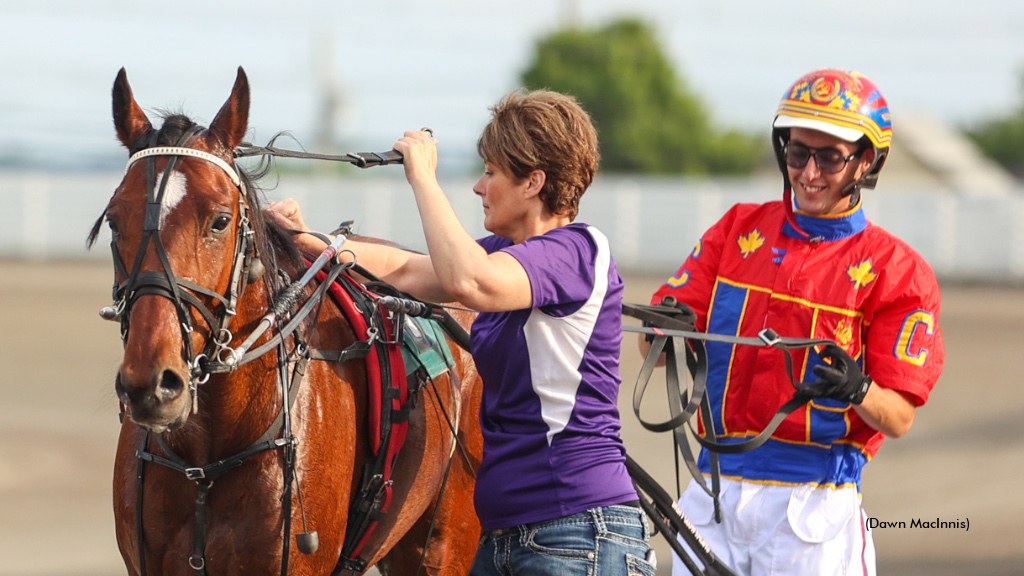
(829, 160)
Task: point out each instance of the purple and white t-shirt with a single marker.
(551, 383)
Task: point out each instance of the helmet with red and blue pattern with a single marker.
(843, 103)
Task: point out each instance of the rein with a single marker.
(360, 159)
(690, 346)
(682, 345)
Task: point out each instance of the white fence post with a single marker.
(35, 216)
(945, 234)
(1016, 263)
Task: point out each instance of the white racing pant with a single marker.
(777, 530)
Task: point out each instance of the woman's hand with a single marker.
(419, 151)
(288, 214)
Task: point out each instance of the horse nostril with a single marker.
(170, 386)
(120, 390)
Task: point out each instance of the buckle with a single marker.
(195, 473)
(769, 337)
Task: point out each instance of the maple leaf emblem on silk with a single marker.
(861, 274)
(750, 243)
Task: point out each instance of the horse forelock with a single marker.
(173, 128)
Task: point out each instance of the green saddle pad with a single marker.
(424, 346)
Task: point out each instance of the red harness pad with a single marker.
(383, 393)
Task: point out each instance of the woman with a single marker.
(553, 495)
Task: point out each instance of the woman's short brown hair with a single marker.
(547, 131)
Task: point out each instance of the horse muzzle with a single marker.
(160, 402)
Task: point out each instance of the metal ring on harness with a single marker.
(199, 376)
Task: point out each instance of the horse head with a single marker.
(290, 417)
(182, 237)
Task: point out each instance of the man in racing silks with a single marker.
(809, 266)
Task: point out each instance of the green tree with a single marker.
(1002, 138)
(647, 118)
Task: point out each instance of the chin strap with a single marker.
(852, 190)
(787, 201)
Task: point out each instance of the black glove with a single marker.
(672, 308)
(843, 380)
(685, 313)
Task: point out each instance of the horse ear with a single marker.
(233, 119)
(130, 121)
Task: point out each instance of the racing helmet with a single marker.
(843, 103)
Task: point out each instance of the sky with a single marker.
(405, 64)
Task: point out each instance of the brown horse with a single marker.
(224, 462)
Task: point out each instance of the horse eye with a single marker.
(220, 223)
(115, 232)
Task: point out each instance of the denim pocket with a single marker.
(627, 526)
(636, 566)
(564, 539)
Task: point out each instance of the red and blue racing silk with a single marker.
(845, 280)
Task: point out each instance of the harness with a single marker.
(395, 346)
(379, 333)
(388, 405)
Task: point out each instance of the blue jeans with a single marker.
(608, 541)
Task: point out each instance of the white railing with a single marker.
(652, 222)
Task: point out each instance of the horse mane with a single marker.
(272, 240)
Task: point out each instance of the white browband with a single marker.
(175, 151)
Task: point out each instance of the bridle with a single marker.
(246, 267)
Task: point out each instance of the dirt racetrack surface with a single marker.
(962, 461)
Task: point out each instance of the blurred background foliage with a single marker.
(647, 117)
(1001, 137)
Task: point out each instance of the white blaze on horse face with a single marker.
(174, 191)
